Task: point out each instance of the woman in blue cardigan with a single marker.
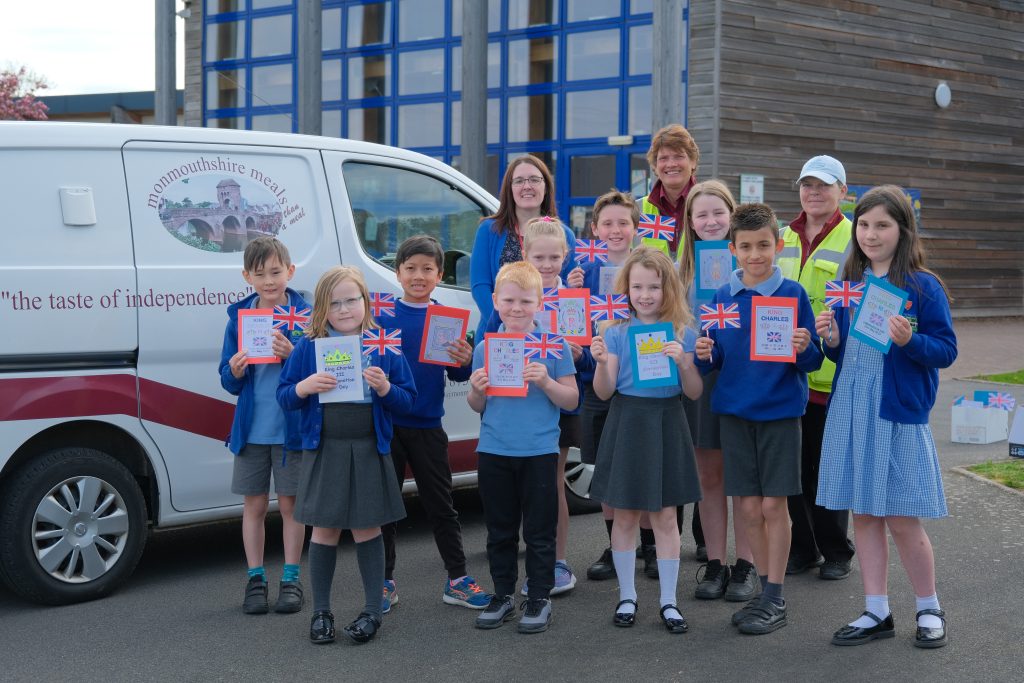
(527, 191)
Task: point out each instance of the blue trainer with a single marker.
(390, 598)
(565, 580)
(466, 592)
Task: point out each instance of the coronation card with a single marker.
(444, 325)
(504, 360)
(341, 357)
(772, 322)
(651, 367)
(256, 334)
(880, 302)
(713, 264)
(574, 316)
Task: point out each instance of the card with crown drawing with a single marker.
(651, 367)
(342, 357)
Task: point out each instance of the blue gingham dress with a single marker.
(868, 464)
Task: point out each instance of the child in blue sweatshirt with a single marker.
(760, 404)
(420, 440)
(261, 431)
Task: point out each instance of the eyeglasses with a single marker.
(350, 304)
(534, 181)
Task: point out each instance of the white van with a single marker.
(123, 250)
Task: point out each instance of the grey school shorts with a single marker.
(251, 474)
(761, 458)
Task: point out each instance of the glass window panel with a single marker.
(421, 125)
(641, 6)
(330, 32)
(421, 72)
(369, 24)
(225, 89)
(493, 66)
(369, 76)
(237, 122)
(640, 176)
(532, 117)
(527, 13)
(330, 80)
(638, 111)
(532, 61)
(592, 113)
(591, 176)
(493, 122)
(222, 6)
(330, 123)
(493, 17)
(372, 125)
(272, 36)
(640, 38)
(594, 54)
(275, 123)
(263, 4)
(225, 40)
(420, 19)
(272, 85)
(391, 204)
(586, 10)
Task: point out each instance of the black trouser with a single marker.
(514, 491)
(426, 452)
(816, 530)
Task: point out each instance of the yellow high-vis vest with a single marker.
(824, 263)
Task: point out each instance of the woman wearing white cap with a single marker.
(815, 246)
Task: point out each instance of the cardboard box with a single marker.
(1017, 435)
(978, 425)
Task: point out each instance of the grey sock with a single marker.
(370, 555)
(764, 580)
(773, 592)
(322, 559)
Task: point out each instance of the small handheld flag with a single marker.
(656, 227)
(591, 250)
(290, 318)
(381, 304)
(719, 316)
(542, 345)
(551, 299)
(381, 341)
(843, 294)
(609, 307)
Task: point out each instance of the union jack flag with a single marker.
(551, 299)
(842, 293)
(591, 250)
(381, 341)
(719, 316)
(775, 337)
(656, 227)
(609, 307)
(1000, 399)
(290, 318)
(541, 345)
(382, 303)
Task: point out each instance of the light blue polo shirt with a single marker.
(617, 340)
(522, 426)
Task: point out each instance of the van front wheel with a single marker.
(72, 525)
(577, 477)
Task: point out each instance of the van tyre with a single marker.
(576, 479)
(72, 526)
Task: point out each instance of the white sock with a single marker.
(625, 568)
(877, 605)
(668, 577)
(929, 620)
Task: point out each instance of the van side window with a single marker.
(390, 204)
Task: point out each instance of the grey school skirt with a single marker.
(704, 424)
(645, 460)
(346, 483)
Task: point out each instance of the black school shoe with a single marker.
(713, 584)
(650, 555)
(289, 598)
(927, 637)
(603, 568)
(321, 627)
(255, 601)
(764, 618)
(363, 628)
(858, 635)
(744, 583)
(798, 565)
(834, 570)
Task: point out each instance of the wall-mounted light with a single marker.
(943, 95)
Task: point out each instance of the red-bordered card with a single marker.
(504, 361)
(444, 325)
(574, 316)
(772, 322)
(256, 334)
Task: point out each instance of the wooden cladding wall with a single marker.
(856, 80)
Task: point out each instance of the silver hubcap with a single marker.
(80, 529)
(578, 475)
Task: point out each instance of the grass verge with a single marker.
(1005, 377)
(1006, 472)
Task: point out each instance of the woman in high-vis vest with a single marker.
(815, 246)
(673, 157)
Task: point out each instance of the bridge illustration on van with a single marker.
(226, 225)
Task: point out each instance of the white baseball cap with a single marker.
(824, 168)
